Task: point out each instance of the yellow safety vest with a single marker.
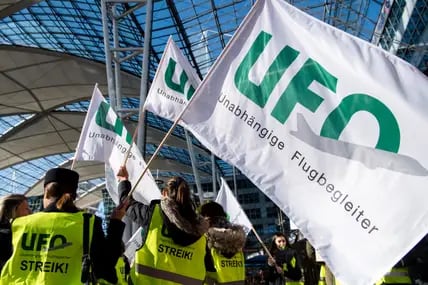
(162, 262)
(122, 276)
(48, 249)
(228, 270)
(291, 282)
(287, 280)
(322, 280)
(396, 276)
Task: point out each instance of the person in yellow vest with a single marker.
(225, 262)
(326, 276)
(11, 207)
(398, 275)
(122, 268)
(173, 251)
(48, 247)
(284, 267)
(323, 274)
(417, 262)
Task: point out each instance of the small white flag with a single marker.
(232, 207)
(104, 138)
(174, 84)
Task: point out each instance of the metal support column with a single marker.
(141, 138)
(112, 14)
(114, 54)
(110, 79)
(214, 176)
(195, 169)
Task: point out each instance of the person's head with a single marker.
(226, 238)
(279, 241)
(213, 212)
(178, 190)
(13, 206)
(60, 186)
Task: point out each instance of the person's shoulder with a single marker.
(90, 216)
(149, 206)
(292, 251)
(5, 225)
(5, 229)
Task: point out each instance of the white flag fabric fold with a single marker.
(330, 128)
(104, 138)
(111, 181)
(174, 83)
(232, 207)
(133, 244)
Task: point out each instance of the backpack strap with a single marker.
(86, 218)
(86, 259)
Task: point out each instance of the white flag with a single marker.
(232, 207)
(174, 84)
(104, 138)
(133, 244)
(328, 126)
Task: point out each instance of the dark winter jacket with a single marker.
(286, 259)
(174, 226)
(5, 243)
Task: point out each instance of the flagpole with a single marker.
(264, 247)
(226, 192)
(155, 153)
(72, 164)
(171, 129)
(153, 157)
(235, 186)
(261, 242)
(133, 140)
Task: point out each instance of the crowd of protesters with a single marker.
(182, 243)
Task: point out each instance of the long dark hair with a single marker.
(214, 213)
(178, 190)
(273, 247)
(9, 205)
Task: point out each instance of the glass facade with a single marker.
(406, 32)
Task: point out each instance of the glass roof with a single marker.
(201, 29)
(19, 177)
